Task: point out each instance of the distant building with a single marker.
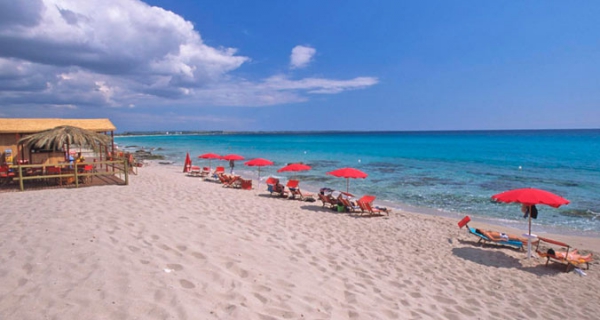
(12, 129)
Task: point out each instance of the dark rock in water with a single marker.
(579, 213)
(146, 155)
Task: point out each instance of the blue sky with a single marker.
(303, 65)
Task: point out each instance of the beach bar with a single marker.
(13, 129)
(39, 152)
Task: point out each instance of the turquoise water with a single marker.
(455, 173)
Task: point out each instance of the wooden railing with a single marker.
(24, 172)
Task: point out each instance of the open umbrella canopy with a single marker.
(209, 156)
(348, 173)
(232, 157)
(258, 162)
(295, 167)
(65, 135)
(531, 196)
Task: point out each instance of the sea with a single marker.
(450, 174)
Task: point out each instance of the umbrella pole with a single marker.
(529, 239)
(347, 182)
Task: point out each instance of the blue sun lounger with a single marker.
(482, 238)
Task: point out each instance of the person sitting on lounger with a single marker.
(501, 236)
(279, 188)
(347, 196)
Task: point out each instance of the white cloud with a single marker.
(124, 53)
(301, 56)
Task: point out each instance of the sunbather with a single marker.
(501, 236)
(573, 255)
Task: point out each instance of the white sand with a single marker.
(173, 247)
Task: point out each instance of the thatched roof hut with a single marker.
(13, 129)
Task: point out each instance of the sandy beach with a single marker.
(169, 246)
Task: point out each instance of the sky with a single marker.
(274, 65)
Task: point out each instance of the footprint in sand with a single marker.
(175, 267)
(186, 284)
(198, 255)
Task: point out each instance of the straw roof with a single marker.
(26, 125)
(65, 135)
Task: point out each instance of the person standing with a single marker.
(231, 165)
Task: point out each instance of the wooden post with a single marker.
(21, 178)
(76, 175)
(125, 166)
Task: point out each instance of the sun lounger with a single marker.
(327, 200)
(568, 257)
(246, 184)
(6, 175)
(205, 172)
(230, 181)
(485, 239)
(366, 205)
(273, 186)
(292, 185)
(218, 171)
(349, 206)
(194, 171)
(296, 191)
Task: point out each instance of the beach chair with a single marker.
(570, 259)
(246, 184)
(218, 171)
(296, 191)
(273, 186)
(366, 205)
(349, 206)
(194, 171)
(483, 239)
(234, 182)
(53, 170)
(6, 175)
(292, 185)
(230, 181)
(328, 200)
(271, 182)
(87, 177)
(205, 172)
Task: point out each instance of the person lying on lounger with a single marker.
(501, 236)
(573, 255)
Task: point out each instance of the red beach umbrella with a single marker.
(530, 197)
(295, 167)
(187, 166)
(348, 173)
(232, 157)
(209, 156)
(259, 162)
